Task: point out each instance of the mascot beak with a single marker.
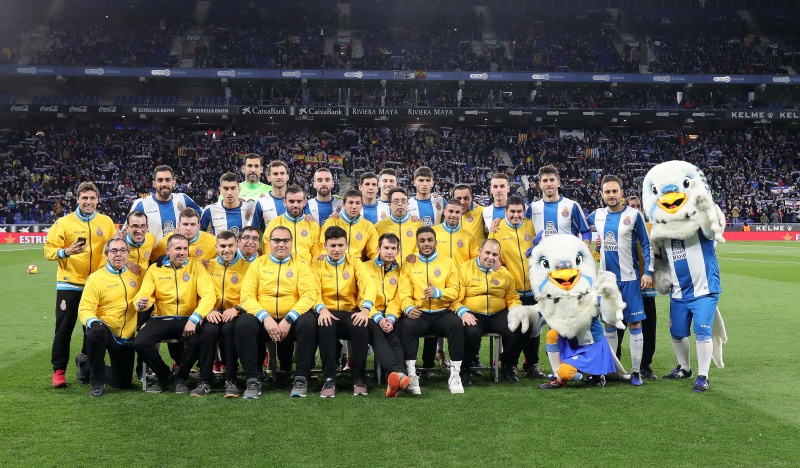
(672, 202)
(564, 276)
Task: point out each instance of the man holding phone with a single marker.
(76, 241)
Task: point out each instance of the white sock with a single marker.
(681, 348)
(637, 348)
(704, 347)
(555, 360)
(610, 331)
(411, 367)
(455, 367)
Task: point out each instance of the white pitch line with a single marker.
(19, 250)
(756, 261)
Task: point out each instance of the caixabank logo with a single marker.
(319, 111)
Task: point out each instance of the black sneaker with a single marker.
(180, 386)
(648, 374)
(231, 390)
(155, 387)
(252, 390)
(535, 372)
(553, 384)
(328, 389)
(299, 388)
(82, 361)
(477, 363)
(466, 379)
(509, 374)
(678, 373)
(97, 390)
(599, 380)
(359, 388)
(202, 389)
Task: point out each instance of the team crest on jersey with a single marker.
(438, 206)
(234, 278)
(186, 277)
(527, 237)
(470, 219)
(63, 305)
(169, 226)
(198, 252)
(550, 229)
(383, 215)
(133, 283)
(359, 236)
(627, 221)
(409, 233)
(247, 215)
(304, 232)
(346, 275)
(610, 242)
(460, 244)
(180, 206)
(147, 254)
(496, 282)
(393, 281)
(678, 252)
(437, 272)
(339, 208)
(289, 273)
(99, 231)
(565, 213)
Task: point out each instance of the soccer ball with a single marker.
(33, 269)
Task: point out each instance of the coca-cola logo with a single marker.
(107, 109)
(78, 109)
(22, 108)
(48, 109)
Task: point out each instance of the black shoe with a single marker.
(97, 390)
(180, 386)
(477, 363)
(466, 379)
(509, 374)
(678, 373)
(648, 374)
(81, 361)
(426, 374)
(535, 372)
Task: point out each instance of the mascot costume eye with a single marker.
(686, 225)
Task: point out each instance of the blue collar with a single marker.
(250, 259)
(168, 262)
(451, 229)
(83, 217)
(395, 219)
(348, 219)
(130, 241)
(554, 202)
(430, 258)
(335, 263)
(481, 267)
(110, 268)
(381, 263)
(280, 262)
(235, 259)
(292, 218)
(193, 240)
(371, 205)
(513, 226)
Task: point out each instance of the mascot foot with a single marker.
(701, 384)
(553, 384)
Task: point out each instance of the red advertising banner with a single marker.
(23, 237)
(734, 236)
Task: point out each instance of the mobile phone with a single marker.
(82, 240)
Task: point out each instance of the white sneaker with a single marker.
(454, 382)
(413, 387)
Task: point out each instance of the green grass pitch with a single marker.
(750, 416)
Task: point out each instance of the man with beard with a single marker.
(141, 243)
(306, 245)
(324, 204)
(163, 207)
(202, 245)
(362, 237)
(471, 214)
(252, 188)
(400, 224)
(271, 205)
(387, 180)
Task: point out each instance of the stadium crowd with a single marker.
(753, 170)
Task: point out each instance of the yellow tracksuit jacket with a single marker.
(305, 236)
(142, 253)
(484, 290)
(514, 243)
(362, 238)
(472, 222)
(344, 285)
(227, 281)
(202, 247)
(108, 298)
(403, 228)
(73, 270)
(456, 243)
(279, 288)
(178, 291)
(387, 299)
(437, 270)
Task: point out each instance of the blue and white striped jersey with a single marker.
(693, 266)
(620, 232)
(564, 216)
(220, 218)
(321, 211)
(429, 211)
(162, 217)
(267, 208)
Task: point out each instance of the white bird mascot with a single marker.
(686, 225)
(571, 294)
